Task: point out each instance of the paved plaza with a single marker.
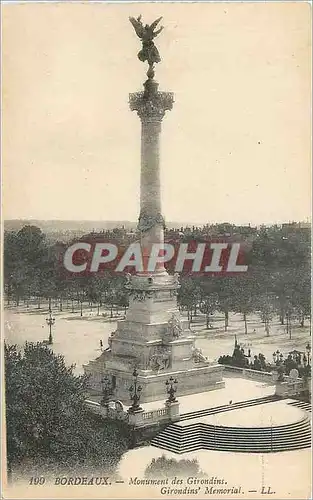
(236, 389)
(264, 415)
(78, 338)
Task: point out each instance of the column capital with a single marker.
(151, 108)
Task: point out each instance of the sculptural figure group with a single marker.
(149, 51)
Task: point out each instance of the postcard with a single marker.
(156, 305)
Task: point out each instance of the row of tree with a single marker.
(278, 280)
(285, 293)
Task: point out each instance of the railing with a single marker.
(147, 415)
(250, 373)
(256, 374)
(164, 411)
(139, 418)
(233, 368)
(153, 417)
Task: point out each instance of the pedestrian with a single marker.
(254, 330)
(231, 402)
(101, 345)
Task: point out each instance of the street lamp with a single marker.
(50, 322)
(171, 389)
(134, 392)
(308, 350)
(106, 390)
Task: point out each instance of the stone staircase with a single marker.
(196, 436)
(302, 405)
(229, 407)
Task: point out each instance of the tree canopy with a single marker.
(169, 467)
(48, 424)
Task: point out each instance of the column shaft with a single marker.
(150, 188)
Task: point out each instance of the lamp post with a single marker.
(50, 322)
(280, 371)
(135, 393)
(106, 390)
(171, 389)
(308, 350)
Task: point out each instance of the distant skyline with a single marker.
(235, 148)
(119, 223)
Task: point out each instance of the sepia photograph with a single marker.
(156, 250)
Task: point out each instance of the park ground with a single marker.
(78, 337)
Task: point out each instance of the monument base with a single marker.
(189, 382)
(153, 385)
(156, 341)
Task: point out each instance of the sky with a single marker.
(235, 147)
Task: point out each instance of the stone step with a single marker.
(178, 431)
(224, 408)
(236, 449)
(203, 445)
(302, 405)
(249, 440)
(296, 435)
(267, 449)
(230, 440)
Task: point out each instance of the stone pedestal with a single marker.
(158, 342)
(173, 409)
(136, 418)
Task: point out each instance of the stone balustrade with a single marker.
(140, 418)
(252, 374)
(170, 413)
(258, 375)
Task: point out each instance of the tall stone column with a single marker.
(153, 338)
(151, 106)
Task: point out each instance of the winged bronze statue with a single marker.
(147, 33)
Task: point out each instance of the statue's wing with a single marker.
(158, 31)
(155, 23)
(137, 26)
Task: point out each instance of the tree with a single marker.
(302, 295)
(245, 298)
(226, 291)
(169, 467)
(25, 258)
(189, 296)
(266, 306)
(208, 306)
(48, 424)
